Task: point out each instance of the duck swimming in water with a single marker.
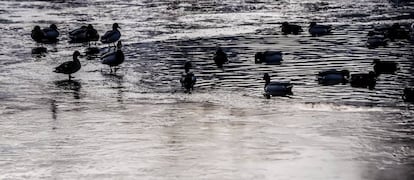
(408, 95)
(114, 58)
(276, 88)
(319, 30)
(220, 57)
(376, 39)
(268, 57)
(188, 79)
(333, 76)
(69, 67)
(111, 36)
(364, 80)
(384, 67)
(291, 28)
(397, 32)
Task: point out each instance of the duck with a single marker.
(84, 34)
(268, 57)
(188, 79)
(364, 80)
(45, 36)
(291, 28)
(114, 58)
(376, 39)
(220, 57)
(397, 32)
(384, 67)
(51, 33)
(111, 36)
(38, 35)
(187, 66)
(276, 88)
(333, 76)
(69, 67)
(408, 94)
(318, 30)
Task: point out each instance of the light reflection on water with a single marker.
(139, 123)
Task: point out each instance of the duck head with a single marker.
(266, 77)
(76, 54)
(285, 24)
(187, 66)
(395, 26)
(312, 24)
(372, 75)
(36, 28)
(53, 26)
(258, 57)
(345, 73)
(219, 49)
(115, 26)
(89, 26)
(376, 61)
(119, 45)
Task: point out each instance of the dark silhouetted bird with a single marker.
(69, 67)
(114, 58)
(220, 57)
(291, 28)
(111, 36)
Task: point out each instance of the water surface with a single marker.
(140, 124)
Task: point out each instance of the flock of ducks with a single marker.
(84, 34)
(376, 38)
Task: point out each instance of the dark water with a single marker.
(140, 125)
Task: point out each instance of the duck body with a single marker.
(78, 35)
(84, 34)
(111, 36)
(363, 80)
(376, 39)
(69, 67)
(188, 80)
(38, 35)
(279, 88)
(397, 32)
(113, 58)
(291, 28)
(332, 77)
(319, 30)
(268, 57)
(46, 36)
(408, 95)
(51, 32)
(220, 57)
(385, 67)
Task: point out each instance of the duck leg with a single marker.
(70, 77)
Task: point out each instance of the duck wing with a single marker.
(50, 33)
(109, 58)
(66, 67)
(111, 36)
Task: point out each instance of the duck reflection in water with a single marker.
(39, 52)
(116, 82)
(70, 85)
